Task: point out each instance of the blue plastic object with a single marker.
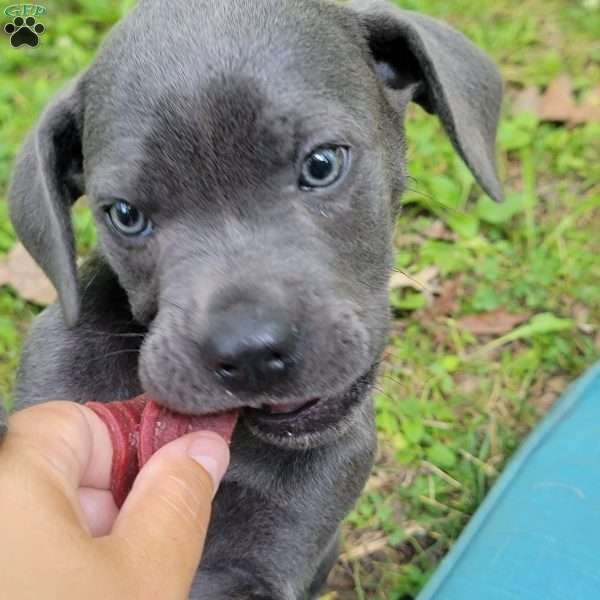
(537, 534)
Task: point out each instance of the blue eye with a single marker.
(128, 220)
(323, 167)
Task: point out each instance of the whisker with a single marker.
(383, 393)
(89, 284)
(433, 200)
(115, 353)
(424, 194)
(392, 379)
(174, 304)
(110, 334)
(421, 285)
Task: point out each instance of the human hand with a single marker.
(61, 535)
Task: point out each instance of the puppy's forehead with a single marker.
(215, 80)
(292, 47)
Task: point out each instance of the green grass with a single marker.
(451, 407)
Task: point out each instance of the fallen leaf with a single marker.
(21, 272)
(497, 322)
(557, 103)
(540, 324)
(419, 281)
(447, 303)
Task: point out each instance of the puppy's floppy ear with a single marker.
(447, 74)
(47, 180)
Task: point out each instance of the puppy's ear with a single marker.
(47, 180)
(446, 74)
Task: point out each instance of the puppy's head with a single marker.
(243, 161)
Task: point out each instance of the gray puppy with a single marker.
(244, 162)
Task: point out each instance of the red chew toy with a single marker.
(140, 427)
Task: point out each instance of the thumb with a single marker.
(162, 525)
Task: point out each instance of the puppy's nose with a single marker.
(250, 347)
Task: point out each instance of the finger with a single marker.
(99, 510)
(68, 439)
(162, 525)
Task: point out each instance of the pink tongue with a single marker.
(140, 427)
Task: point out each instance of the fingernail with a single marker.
(211, 452)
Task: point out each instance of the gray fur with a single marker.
(200, 114)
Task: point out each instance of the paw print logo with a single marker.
(24, 32)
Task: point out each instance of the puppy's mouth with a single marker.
(285, 411)
(281, 419)
(276, 422)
